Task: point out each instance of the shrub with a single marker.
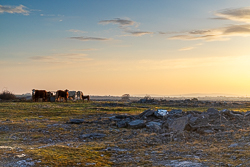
(194, 99)
(7, 95)
(147, 97)
(125, 97)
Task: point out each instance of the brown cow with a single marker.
(62, 94)
(85, 97)
(36, 94)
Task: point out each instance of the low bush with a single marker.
(7, 95)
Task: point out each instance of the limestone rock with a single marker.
(136, 124)
(75, 121)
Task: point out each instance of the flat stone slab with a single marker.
(137, 124)
(154, 125)
(75, 121)
(179, 124)
(175, 112)
(93, 135)
(177, 163)
(160, 113)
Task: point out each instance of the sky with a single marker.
(117, 47)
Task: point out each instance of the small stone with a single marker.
(233, 145)
(93, 135)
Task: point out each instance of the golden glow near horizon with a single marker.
(146, 52)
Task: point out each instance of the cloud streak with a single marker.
(90, 38)
(14, 9)
(57, 58)
(186, 48)
(138, 33)
(39, 58)
(76, 31)
(238, 14)
(219, 34)
(121, 22)
(126, 25)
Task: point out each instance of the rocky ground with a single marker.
(114, 135)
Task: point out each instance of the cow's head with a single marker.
(33, 92)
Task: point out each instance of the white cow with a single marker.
(79, 95)
(73, 95)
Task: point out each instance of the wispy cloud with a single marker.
(167, 33)
(186, 48)
(14, 9)
(88, 49)
(41, 58)
(72, 56)
(121, 22)
(48, 15)
(76, 31)
(51, 15)
(238, 14)
(138, 33)
(126, 25)
(90, 38)
(57, 58)
(219, 34)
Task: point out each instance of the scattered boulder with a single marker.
(194, 113)
(75, 121)
(213, 115)
(202, 119)
(123, 123)
(121, 116)
(176, 163)
(247, 114)
(202, 129)
(232, 115)
(154, 125)
(162, 121)
(137, 124)
(179, 124)
(160, 113)
(233, 145)
(146, 114)
(93, 135)
(175, 112)
(212, 111)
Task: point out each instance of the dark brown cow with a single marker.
(40, 94)
(62, 94)
(85, 97)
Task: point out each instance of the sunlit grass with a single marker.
(28, 123)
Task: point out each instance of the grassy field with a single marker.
(37, 134)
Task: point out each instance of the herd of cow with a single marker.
(60, 95)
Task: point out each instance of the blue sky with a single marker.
(114, 47)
